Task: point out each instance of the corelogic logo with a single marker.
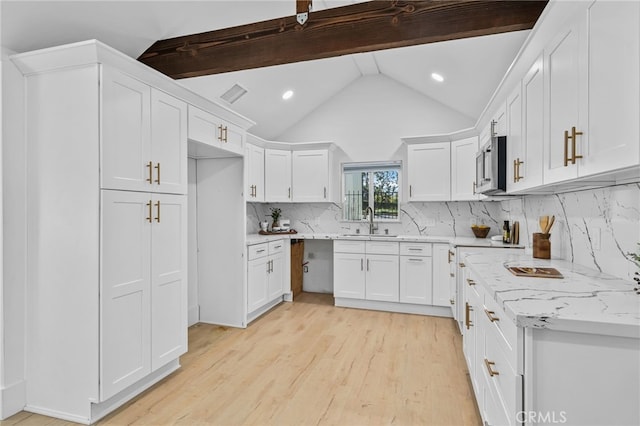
(541, 417)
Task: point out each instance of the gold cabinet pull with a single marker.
(474, 188)
(453, 302)
(325, 192)
(220, 133)
(150, 169)
(451, 274)
(149, 217)
(566, 148)
(517, 164)
(226, 134)
(470, 281)
(157, 167)
(361, 264)
(491, 371)
(410, 192)
(461, 265)
(448, 256)
(289, 193)
(491, 316)
(515, 173)
(467, 315)
(367, 264)
(158, 211)
(574, 133)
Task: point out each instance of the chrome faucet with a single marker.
(372, 226)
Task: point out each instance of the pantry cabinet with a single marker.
(106, 232)
(310, 176)
(211, 130)
(463, 169)
(255, 173)
(429, 176)
(277, 175)
(591, 110)
(143, 144)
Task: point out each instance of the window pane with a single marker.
(385, 194)
(356, 187)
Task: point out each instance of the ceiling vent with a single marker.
(233, 94)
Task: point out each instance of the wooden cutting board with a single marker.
(526, 271)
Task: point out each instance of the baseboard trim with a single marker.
(402, 308)
(12, 399)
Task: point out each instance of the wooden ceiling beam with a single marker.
(357, 28)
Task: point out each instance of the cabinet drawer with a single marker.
(348, 246)
(276, 246)
(502, 328)
(257, 251)
(382, 247)
(416, 249)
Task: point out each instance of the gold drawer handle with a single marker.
(453, 302)
(467, 315)
(462, 265)
(574, 133)
(491, 314)
(150, 207)
(150, 168)
(157, 167)
(470, 281)
(488, 364)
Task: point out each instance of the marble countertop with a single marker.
(455, 241)
(584, 301)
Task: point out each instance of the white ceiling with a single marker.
(472, 68)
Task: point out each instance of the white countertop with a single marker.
(455, 241)
(584, 301)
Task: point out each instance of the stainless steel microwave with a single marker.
(491, 167)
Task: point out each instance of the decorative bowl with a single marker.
(481, 231)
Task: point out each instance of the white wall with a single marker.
(192, 249)
(13, 233)
(371, 115)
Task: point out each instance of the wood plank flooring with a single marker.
(309, 363)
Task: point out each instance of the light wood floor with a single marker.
(308, 363)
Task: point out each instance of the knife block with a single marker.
(541, 246)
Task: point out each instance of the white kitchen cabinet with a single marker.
(108, 266)
(255, 173)
(530, 168)
(310, 176)
(144, 136)
(382, 277)
(143, 286)
(416, 277)
(592, 113)
(472, 305)
(463, 169)
(441, 289)
(265, 274)
(349, 275)
(500, 121)
(277, 175)
(211, 130)
(429, 175)
(516, 152)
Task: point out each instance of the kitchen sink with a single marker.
(369, 235)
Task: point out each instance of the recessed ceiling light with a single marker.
(437, 77)
(287, 95)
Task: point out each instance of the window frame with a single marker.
(370, 167)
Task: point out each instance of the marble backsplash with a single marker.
(594, 228)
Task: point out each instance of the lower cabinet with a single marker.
(416, 277)
(265, 274)
(143, 323)
(366, 270)
(441, 276)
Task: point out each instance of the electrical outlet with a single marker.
(305, 269)
(311, 256)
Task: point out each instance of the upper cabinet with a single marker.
(277, 175)
(210, 130)
(255, 173)
(463, 169)
(310, 175)
(593, 93)
(525, 125)
(144, 136)
(429, 171)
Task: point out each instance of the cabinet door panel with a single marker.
(563, 107)
(415, 280)
(348, 275)
(463, 169)
(611, 140)
(440, 293)
(276, 276)
(257, 276)
(382, 278)
(168, 143)
(533, 125)
(168, 279)
(255, 171)
(429, 172)
(310, 175)
(203, 127)
(124, 291)
(277, 175)
(125, 142)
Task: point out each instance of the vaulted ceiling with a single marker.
(472, 67)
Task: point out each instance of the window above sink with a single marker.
(375, 185)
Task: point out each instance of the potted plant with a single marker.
(275, 216)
